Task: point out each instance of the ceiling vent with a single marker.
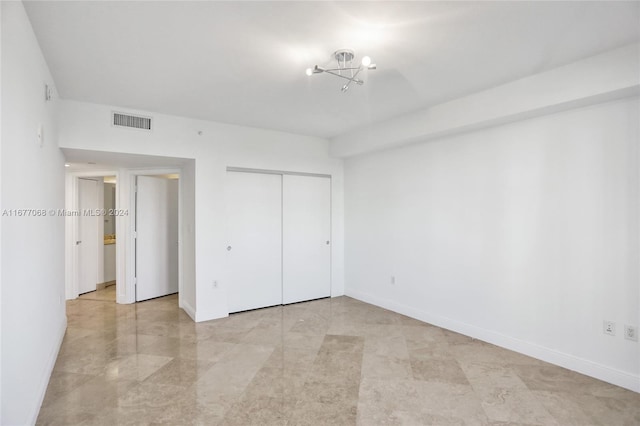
(131, 121)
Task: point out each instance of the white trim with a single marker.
(571, 362)
(72, 228)
(637, 238)
(53, 356)
(201, 315)
(275, 172)
(188, 308)
(130, 291)
(129, 235)
(180, 255)
(331, 239)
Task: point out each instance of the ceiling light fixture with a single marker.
(345, 69)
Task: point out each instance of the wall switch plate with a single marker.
(609, 327)
(631, 333)
(48, 91)
(393, 280)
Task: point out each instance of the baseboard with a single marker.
(53, 356)
(571, 362)
(209, 315)
(188, 309)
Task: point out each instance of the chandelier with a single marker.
(346, 68)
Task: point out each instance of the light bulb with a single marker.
(309, 71)
(366, 61)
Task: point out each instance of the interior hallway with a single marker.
(332, 361)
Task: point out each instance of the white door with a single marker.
(156, 237)
(254, 226)
(306, 238)
(87, 242)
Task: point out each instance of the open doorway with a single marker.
(90, 234)
(155, 221)
(131, 249)
(127, 169)
(103, 285)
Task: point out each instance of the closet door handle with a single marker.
(229, 248)
(327, 242)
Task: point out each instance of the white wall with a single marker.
(87, 126)
(1, 206)
(523, 235)
(187, 260)
(33, 312)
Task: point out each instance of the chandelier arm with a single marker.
(340, 69)
(344, 76)
(353, 77)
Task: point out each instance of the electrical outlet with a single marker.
(631, 333)
(40, 135)
(609, 327)
(215, 284)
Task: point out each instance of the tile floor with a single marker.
(107, 293)
(327, 362)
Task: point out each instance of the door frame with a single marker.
(130, 232)
(72, 229)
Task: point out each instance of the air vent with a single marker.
(131, 121)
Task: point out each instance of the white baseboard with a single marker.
(209, 315)
(53, 356)
(188, 309)
(571, 362)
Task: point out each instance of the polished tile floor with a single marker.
(327, 362)
(108, 294)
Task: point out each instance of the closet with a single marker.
(278, 233)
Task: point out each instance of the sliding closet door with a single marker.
(254, 224)
(306, 219)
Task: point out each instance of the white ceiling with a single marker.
(244, 62)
